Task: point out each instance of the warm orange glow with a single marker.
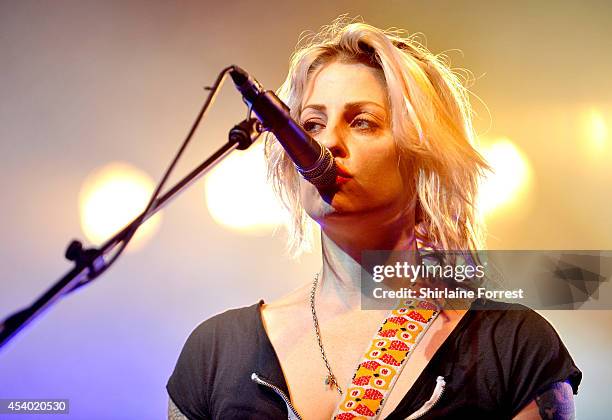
(510, 179)
(596, 130)
(113, 196)
(238, 196)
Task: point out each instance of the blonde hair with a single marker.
(431, 123)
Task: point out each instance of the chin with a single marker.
(322, 211)
(338, 212)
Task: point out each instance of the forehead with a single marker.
(337, 83)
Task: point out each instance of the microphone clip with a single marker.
(245, 133)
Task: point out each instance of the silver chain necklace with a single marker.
(330, 379)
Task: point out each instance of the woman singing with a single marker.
(398, 123)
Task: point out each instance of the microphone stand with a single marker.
(90, 263)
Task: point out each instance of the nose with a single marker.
(334, 137)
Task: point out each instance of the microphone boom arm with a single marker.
(90, 263)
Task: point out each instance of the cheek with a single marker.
(381, 167)
(388, 177)
(390, 185)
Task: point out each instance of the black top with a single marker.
(494, 362)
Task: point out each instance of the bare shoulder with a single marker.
(287, 313)
(289, 303)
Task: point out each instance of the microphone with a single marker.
(312, 160)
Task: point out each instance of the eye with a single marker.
(313, 126)
(364, 123)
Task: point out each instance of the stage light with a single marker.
(596, 130)
(113, 196)
(238, 196)
(511, 176)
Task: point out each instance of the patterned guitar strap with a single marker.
(384, 360)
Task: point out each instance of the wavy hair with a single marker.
(431, 120)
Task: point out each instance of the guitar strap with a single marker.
(385, 358)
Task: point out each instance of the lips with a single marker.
(342, 175)
(340, 180)
(341, 171)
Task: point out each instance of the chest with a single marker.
(345, 339)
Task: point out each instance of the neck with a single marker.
(340, 279)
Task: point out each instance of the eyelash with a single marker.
(308, 125)
(371, 125)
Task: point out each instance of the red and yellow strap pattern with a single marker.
(383, 361)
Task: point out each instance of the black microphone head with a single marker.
(246, 84)
(323, 173)
(313, 161)
(239, 76)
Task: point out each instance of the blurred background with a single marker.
(96, 97)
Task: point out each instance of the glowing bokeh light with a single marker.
(596, 130)
(238, 196)
(510, 179)
(113, 196)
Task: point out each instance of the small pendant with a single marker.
(330, 381)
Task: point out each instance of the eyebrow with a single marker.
(349, 106)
